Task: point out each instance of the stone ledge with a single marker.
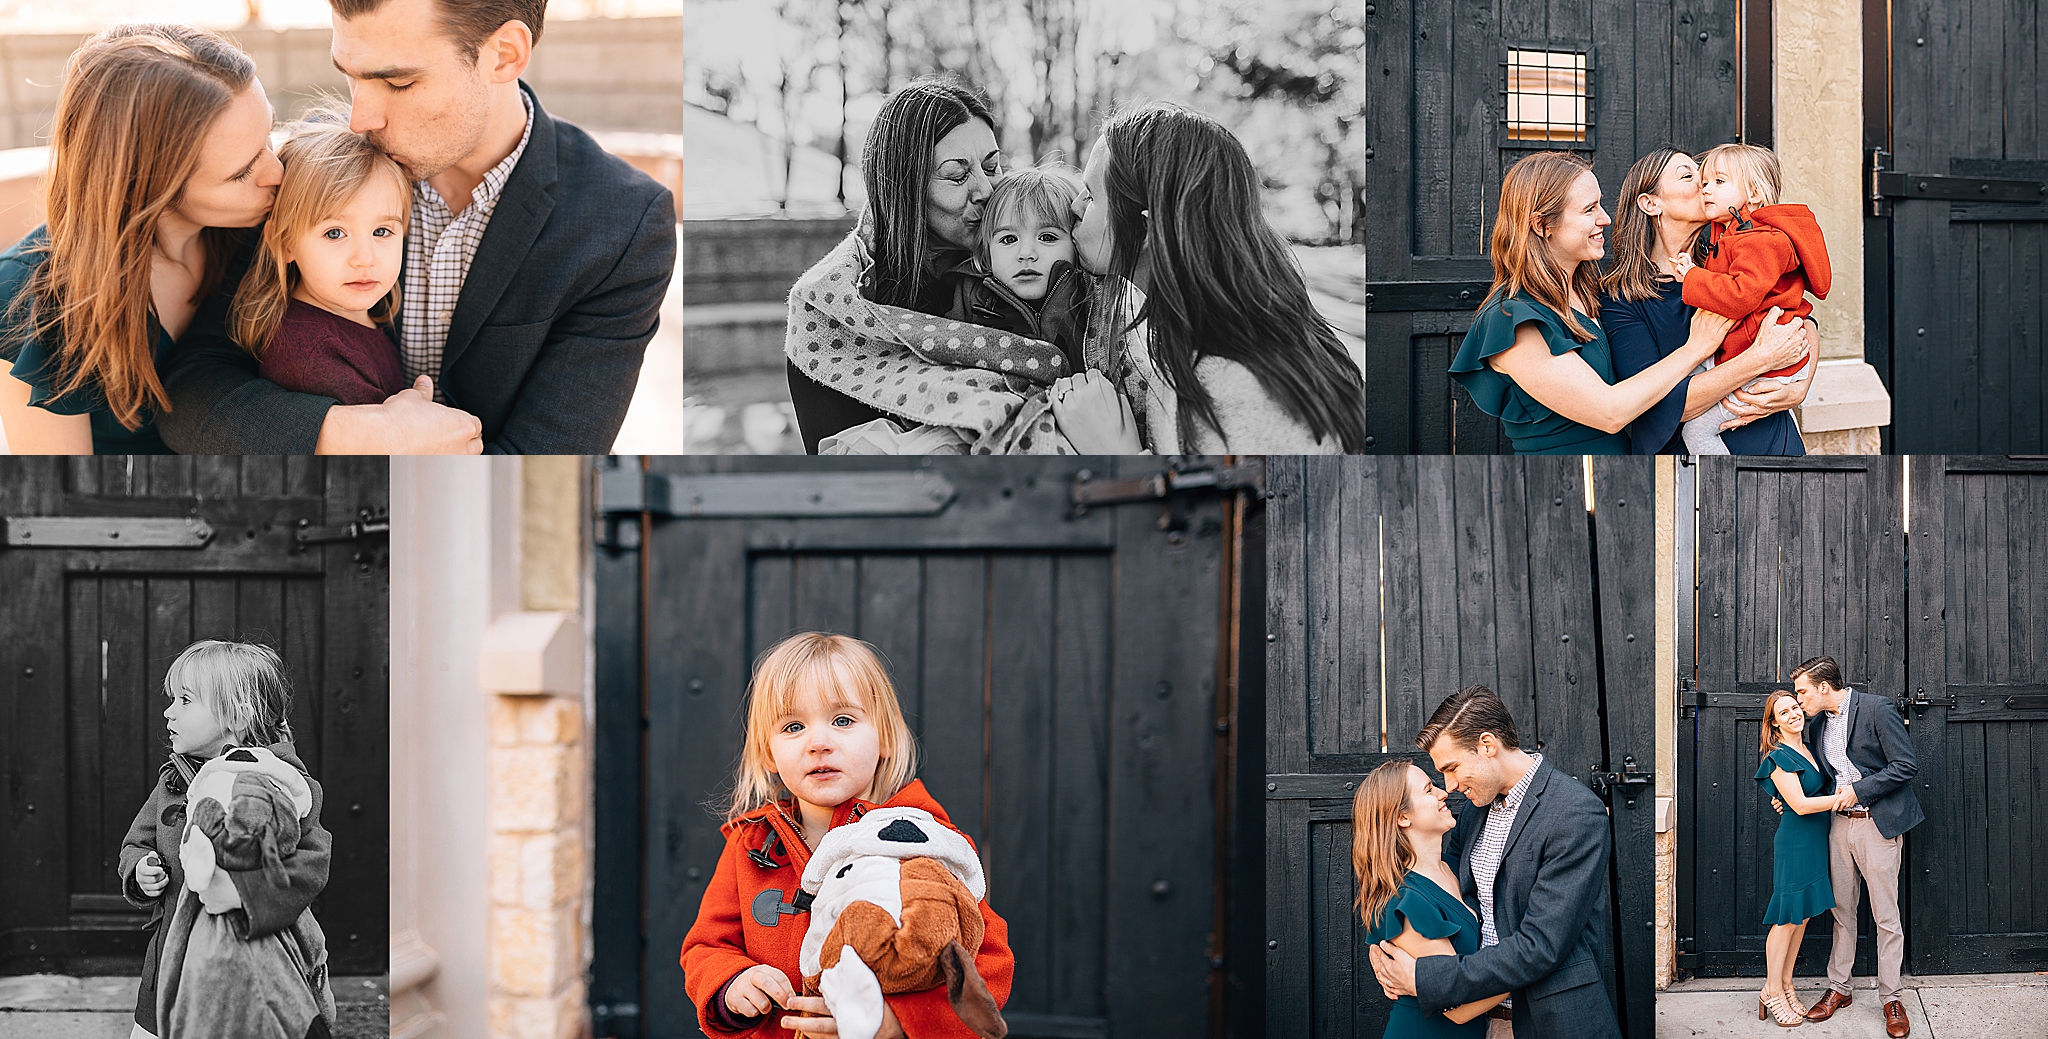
(532, 653)
(1846, 394)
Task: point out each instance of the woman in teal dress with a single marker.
(1536, 357)
(1800, 888)
(1408, 895)
(159, 158)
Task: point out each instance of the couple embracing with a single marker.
(1487, 923)
(1143, 304)
(438, 267)
(1838, 766)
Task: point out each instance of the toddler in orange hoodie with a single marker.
(825, 743)
(1762, 254)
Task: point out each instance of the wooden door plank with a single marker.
(1083, 597)
(1934, 842)
(1021, 762)
(957, 613)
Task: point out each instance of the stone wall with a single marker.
(600, 73)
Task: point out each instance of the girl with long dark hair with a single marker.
(1232, 352)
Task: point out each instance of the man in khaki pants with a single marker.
(1860, 742)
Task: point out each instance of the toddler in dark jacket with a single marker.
(1030, 283)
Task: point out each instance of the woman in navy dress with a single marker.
(1657, 216)
(1537, 357)
(1800, 888)
(1408, 894)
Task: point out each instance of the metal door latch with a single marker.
(367, 524)
(1087, 492)
(1629, 780)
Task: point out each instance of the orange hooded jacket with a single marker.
(1773, 260)
(745, 919)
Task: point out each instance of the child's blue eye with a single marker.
(383, 232)
(1050, 238)
(843, 720)
(332, 234)
(793, 727)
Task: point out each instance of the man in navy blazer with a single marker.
(1532, 852)
(1860, 741)
(535, 262)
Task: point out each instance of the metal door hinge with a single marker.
(1887, 183)
(809, 494)
(1688, 698)
(107, 532)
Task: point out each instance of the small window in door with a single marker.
(1549, 99)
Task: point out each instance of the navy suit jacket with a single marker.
(547, 336)
(1549, 910)
(1881, 750)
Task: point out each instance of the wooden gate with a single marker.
(1804, 557)
(111, 567)
(1395, 583)
(1957, 237)
(1618, 78)
(1978, 684)
(1069, 677)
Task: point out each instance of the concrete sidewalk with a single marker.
(1950, 1006)
(53, 1006)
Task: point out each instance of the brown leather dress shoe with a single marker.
(1827, 1006)
(1895, 1024)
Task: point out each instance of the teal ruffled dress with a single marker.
(1530, 426)
(39, 365)
(1800, 888)
(1434, 913)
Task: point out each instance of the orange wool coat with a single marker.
(729, 936)
(1774, 261)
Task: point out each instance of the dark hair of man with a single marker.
(467, 23)
(896, 167)
(1466, 715)
(1822, 670)
(1183, 195)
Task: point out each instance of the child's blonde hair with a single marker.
(1755, 169)
(325, 165)
(242, 683)
(844, 670)
(1045, 192)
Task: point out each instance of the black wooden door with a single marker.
(1959, 243)
(1393, 584)
(1979, 698)
(1068, 677)
(1438, 141)
(1797, 558)
(111, 567)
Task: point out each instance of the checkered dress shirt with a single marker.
(1837, 747)
(438, 252)
(1493, 843)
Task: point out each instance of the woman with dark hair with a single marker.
(1537, 356)
(1658, 216)
(1800, 884)
(1230, 349)
(867, 354)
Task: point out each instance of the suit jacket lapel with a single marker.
(522, 210)
(1525, 810)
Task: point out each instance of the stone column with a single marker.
(532, 670)
(1817, 54)
(1667, 716)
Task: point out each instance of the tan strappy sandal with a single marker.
(1779, 1010)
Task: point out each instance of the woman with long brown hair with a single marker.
(1408, 894)
(1657, 217)
(1537, 357)
(1800, 886)
(159, 157)
(1229, 348)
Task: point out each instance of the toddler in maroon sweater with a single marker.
(312, 304)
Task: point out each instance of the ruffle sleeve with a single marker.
(1781, 757)
(1492, 332)
(1427, 915)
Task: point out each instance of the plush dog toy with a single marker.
(895, 907)
(243, 808)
